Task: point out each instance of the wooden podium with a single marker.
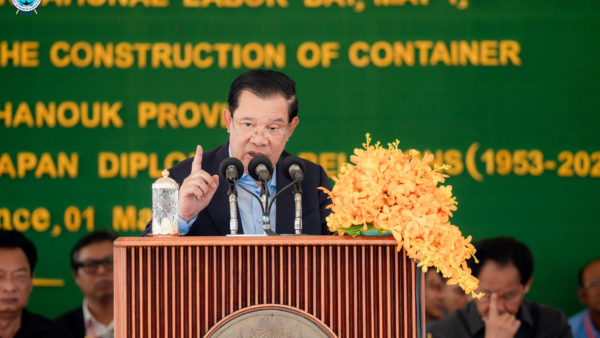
(191, 286)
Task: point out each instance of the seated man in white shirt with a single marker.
(92, 267)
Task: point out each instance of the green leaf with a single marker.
(358, 229)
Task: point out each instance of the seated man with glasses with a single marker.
(92, 267)
(261, 117)
(587, 322)
(505, 271)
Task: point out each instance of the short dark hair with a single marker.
(264, 83)
(15, 239)
(93, 237)
(582, 270)
(503, 251)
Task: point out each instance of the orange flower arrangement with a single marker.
(393, 191)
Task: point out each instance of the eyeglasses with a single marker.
(507, 297)
(91, 266)
(251, 128)
(592, 284)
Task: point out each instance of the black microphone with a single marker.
(294, 168)
(231, 169)
(260, 168)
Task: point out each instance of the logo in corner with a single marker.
(26, 5)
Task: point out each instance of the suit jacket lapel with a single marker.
(218, 208)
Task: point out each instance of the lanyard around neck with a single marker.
(587, 321)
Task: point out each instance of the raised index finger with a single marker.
(493, 305)
(197, 162)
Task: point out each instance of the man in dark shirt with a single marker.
(17, 261)
(434, 298)
(505, 269)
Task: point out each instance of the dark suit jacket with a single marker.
(36, 326)
(214, 219)
(73, 320)
(537, 321)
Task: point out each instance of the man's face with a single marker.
(589, 294)
(95, 279)
(505, 282)
(16, 280)
(455, 298)
(434, 301)
(259, 126)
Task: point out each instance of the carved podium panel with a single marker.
(191, 286)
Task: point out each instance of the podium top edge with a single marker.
(303, 240)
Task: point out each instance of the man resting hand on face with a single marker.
(505, 274)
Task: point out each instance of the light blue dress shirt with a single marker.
(248, 206)
(577, 323)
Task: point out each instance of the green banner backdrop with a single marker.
(98, 96)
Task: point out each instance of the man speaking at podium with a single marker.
(261, 117)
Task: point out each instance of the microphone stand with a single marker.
(297, 208)
(233, 213)
(264, 201)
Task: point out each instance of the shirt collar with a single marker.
(525, 313)
(88, 318)
(246, 179)
(474, 321)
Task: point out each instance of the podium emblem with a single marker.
(270, 320)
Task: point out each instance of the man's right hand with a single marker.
(497, 325)
(197, 189)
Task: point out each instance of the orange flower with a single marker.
(396, 191)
